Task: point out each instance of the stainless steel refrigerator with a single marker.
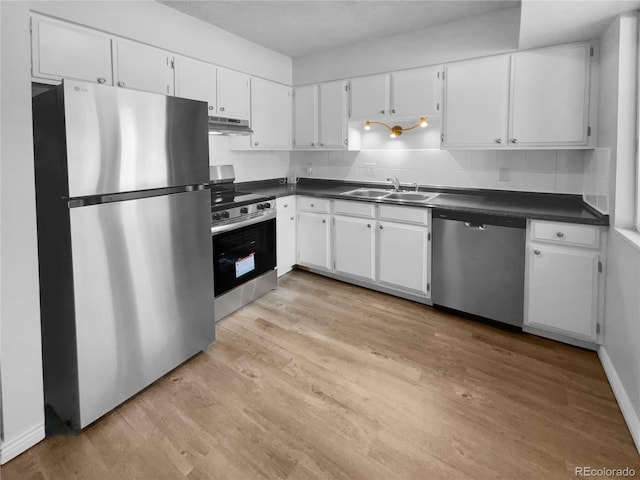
(124, 243)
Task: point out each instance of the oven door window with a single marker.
(243, 254)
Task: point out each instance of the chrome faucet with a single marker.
(395, 182)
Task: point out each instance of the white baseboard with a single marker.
(628, 412)
(15, 446)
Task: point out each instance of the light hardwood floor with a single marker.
(324, 380)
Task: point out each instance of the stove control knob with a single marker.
(225, 214)
(216, 216)
(244, 210)
(260, 206)
(267, 205)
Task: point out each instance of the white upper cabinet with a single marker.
(476, 101)
(369, 96)
(270, 115)
(196, 80)
(406, 93)
(142, 67)
(63, 50)
(305, 116)
(550, 96)
(332, 128)
(537, 99)
(233, 94)
(320, 116)
(416, 92)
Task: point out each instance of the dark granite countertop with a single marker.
(540, 206)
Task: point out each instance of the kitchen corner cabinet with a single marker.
(63, 50)
(536, 99)
(319, 116)
(286, 233)
(270, 115)
(196, 80)
(233, 93)
(565, 278)
(407, 93)
(142, 67)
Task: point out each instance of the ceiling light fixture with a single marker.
(397, 130)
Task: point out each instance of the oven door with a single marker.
(243, 252)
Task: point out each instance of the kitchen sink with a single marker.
(380, 194)
(374, 193)
(410, 196)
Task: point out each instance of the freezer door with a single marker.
(121, 140)
(143, 288)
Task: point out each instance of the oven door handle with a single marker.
(227, 227)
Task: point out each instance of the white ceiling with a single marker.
(553, 22)
(297, 28)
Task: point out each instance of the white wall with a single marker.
(248, 165)
(149, 22)
(620, 353)
(535, 171)
(22, 398)
(489, 34)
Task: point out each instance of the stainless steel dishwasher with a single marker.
(478, 264)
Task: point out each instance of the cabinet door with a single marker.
(563, 290)
(332, 128)
(62, 50)
(354, 242)
(304, 113)
(402, 257)
(142, 67)
(196, 80)
(270, 114)
(369, 96)
(416, 92)
(233, 94)
(313, 240)
(476, 97)
(286, 233)
(550, 97)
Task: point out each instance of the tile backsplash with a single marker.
(249, 165)
(555, 171)
(596, 178)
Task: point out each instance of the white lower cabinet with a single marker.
(314, 240)
(286, 233)
(564, 281)
(381, 246)
(403, 256)
(354, 246)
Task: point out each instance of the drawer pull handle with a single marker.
(324, 221)
(381, 227)
(101, 79)
(368, 225)
(560, 234)
(291, 218)
(286, 205)
(312, 205)
(536, 252)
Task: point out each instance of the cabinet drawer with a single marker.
(419, 216)
(286, 204)
(313, 204)
(565, 233)
(356, 209)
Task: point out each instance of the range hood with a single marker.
(228, 126)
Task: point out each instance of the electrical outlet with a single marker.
(503, 174)
(369, 169)
(309, 168)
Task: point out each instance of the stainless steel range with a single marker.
(243, 234)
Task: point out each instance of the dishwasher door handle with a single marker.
(475, 225)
